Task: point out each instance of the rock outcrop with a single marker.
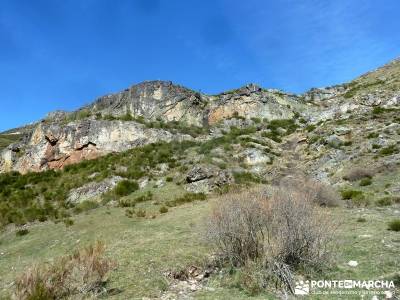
(92, 190)
(61, 139)
(53, 146)
(203, 179)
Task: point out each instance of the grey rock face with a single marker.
(52, 146)
(203, 179)
(152, 100)
(334, 141)
(198, 173)
(255, 157)
(321, 94)
(166, 101)
(92, 190)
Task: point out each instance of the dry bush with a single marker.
(282, 231)
(302, 231)
(83, 272)
(316, 191)
(358, 173)
(238, 226)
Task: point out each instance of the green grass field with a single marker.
(146, 248)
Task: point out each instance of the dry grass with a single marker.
(316, 191)
(358, 173)
(83, 272)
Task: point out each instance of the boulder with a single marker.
(198, 173)
(253, 157)
(92, 190)
(203, 179)
(334, 141)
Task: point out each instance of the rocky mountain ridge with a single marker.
(155, 111)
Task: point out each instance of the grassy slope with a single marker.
(7, 139)
(145, 248)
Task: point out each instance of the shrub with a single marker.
(361, 220)
(377, 110)
(360, 201)
(285, 230)
(357, 197)
(372, 135)
(351, 194)
(394, 225)
(376, 146)
(83, 272)
(163, 209)
(389, 150)
(125, 187)
(319, 193)
(21, 232)
(385, 201)
(311, 127)
(273, 135)
(86, 206)
(187, 198)
(358, 173)
(169, 179)
(68, 222)
(126, 202)
(245, 178)
(365, 181)
(140, 213)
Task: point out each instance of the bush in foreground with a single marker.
(280, 233)
(84, 272)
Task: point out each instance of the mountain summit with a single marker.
(117, 122)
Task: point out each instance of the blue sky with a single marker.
(61, 54)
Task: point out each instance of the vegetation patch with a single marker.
(386, 201)
(187, 198)
(372, 135)
(389, 150)
(22, 232)
(163, 210)
(42, 196)
(365, 181)
(125, 187)
(268, 240)
(84, 273)
(358, 173)
(394, 225)
(245, 178)
(350, 194)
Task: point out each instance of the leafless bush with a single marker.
(83, 272)
(301, 230)
(281, 232)
(358, 173)
(238, 226)
(316, 191)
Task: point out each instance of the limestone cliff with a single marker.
(63, 138)
(53, 146)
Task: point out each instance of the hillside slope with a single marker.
(142, 169)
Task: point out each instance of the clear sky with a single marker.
(61, 54)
